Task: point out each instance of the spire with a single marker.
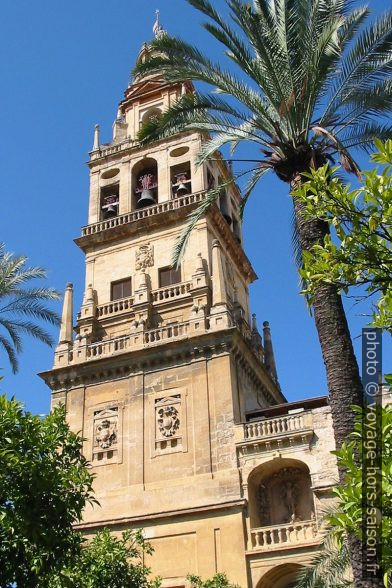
(269, 357)
(66, 327)
(158, 29)
(96, 138)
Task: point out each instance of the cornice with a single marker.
(229, 505)
(167, 355)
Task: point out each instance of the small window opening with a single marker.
(121, 289)
(169, 276)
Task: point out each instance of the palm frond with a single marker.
(33, 330)
(12, 330)
(192, 220)
(6, 345)
(256, 175)
(328, 569)
(19, 301)
(32, 308)
(370, 55)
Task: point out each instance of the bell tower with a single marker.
(163, 364)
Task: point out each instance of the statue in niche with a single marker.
(264, 508)
(290, 495)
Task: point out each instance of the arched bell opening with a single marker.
(283, 576)
(150, 115)
(280, 493)
(109, 201)
(181, 180)
(145, 183)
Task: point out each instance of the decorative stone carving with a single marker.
(105, 432)
(168, 421)
(144, 257)
(168, 435)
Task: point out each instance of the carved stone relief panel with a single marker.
(169, 425)
(144, 257)
(106, 435)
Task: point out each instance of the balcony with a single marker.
(287, 431)
(284, 536)
(114, 308)
(143, 213)
(173, 292)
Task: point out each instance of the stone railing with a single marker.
(276, 426)
(137, 340)
(115, 307)
(265, 538)
(176, 331)
(171, 292)
(110, 347)
(110, 148)
(131, 217)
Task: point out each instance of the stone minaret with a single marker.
(163, 365)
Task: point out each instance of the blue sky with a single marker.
(64, 67)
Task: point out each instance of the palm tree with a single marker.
(329, 569)
(312, 84)
(19, 305)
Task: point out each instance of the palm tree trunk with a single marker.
(343, 378)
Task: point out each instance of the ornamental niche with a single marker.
(144, 257)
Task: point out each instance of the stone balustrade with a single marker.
(115, 307)
(265, 538)
(175, 331)
(110, 347)
(171, 292)
(111, 148)
(137, 340)
(275, 426)
(155, 209)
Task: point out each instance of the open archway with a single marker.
(283, 576)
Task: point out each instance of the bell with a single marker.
(111, 210)
(146, 199)
(182, 190)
